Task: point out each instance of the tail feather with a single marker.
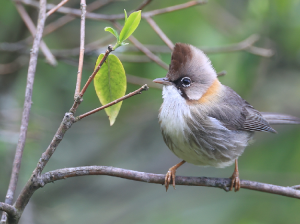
(274, 118)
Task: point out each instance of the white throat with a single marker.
(173, 112)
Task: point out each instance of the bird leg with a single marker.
(171, 175)
(235, 179)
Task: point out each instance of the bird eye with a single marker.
(186, 81)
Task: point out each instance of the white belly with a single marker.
(173, 117)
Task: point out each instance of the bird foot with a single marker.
(235, 181)
(170, 175)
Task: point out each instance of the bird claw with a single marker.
(235, 182)
(170, 175)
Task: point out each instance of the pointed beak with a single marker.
(164, 81)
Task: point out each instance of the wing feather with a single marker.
(237, 114)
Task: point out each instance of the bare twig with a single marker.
(68, 18)
(144, 4)
(260, 51)
(96, 45)
(78, 98)
(27, 106)
(160, 33)
(296, 187)
(75, 12)
(51, 27)
(222, 183)
(81, 55)
(139, 81)
(34, 181)
(145, 50)
(138, 91)
(96, 16)
(109, 49)
(172, 8)
(27, 20)
(11, 211)
(66, 123)
(56, 7)
(245, 44)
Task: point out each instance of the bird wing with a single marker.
(237, 114)
(255, 121)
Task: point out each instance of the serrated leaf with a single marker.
(112, 31)
(110, 84)
(130, 25)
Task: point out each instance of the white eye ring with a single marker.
(186, 81)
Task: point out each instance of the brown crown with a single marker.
(181, 54)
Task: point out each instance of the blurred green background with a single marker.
(135, 142)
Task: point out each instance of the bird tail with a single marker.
(274, 118)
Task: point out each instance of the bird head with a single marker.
(190, 72)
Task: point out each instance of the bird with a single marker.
(204, 122)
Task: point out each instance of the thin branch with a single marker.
(139, 81)
(56, 7)
(247, 45)
(66, 123)
(75, 12)
(243, 45)
(90, 47)
(30, 25)
(172, 8)
(222, 183)
(10, 210)
(297, 187)
(51, 27)
(96, 16)
(144, 4)
(81, 55)
(260, 51)
(145, 50)
(160, 33)
(158, 49)
(138, 91)
(68, 18)
(35, 181)
(78, 98)
(27, 106)
(109, 49)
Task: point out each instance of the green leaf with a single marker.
(113, 31)
(130, 25)
(110, 84)
(125, 16)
